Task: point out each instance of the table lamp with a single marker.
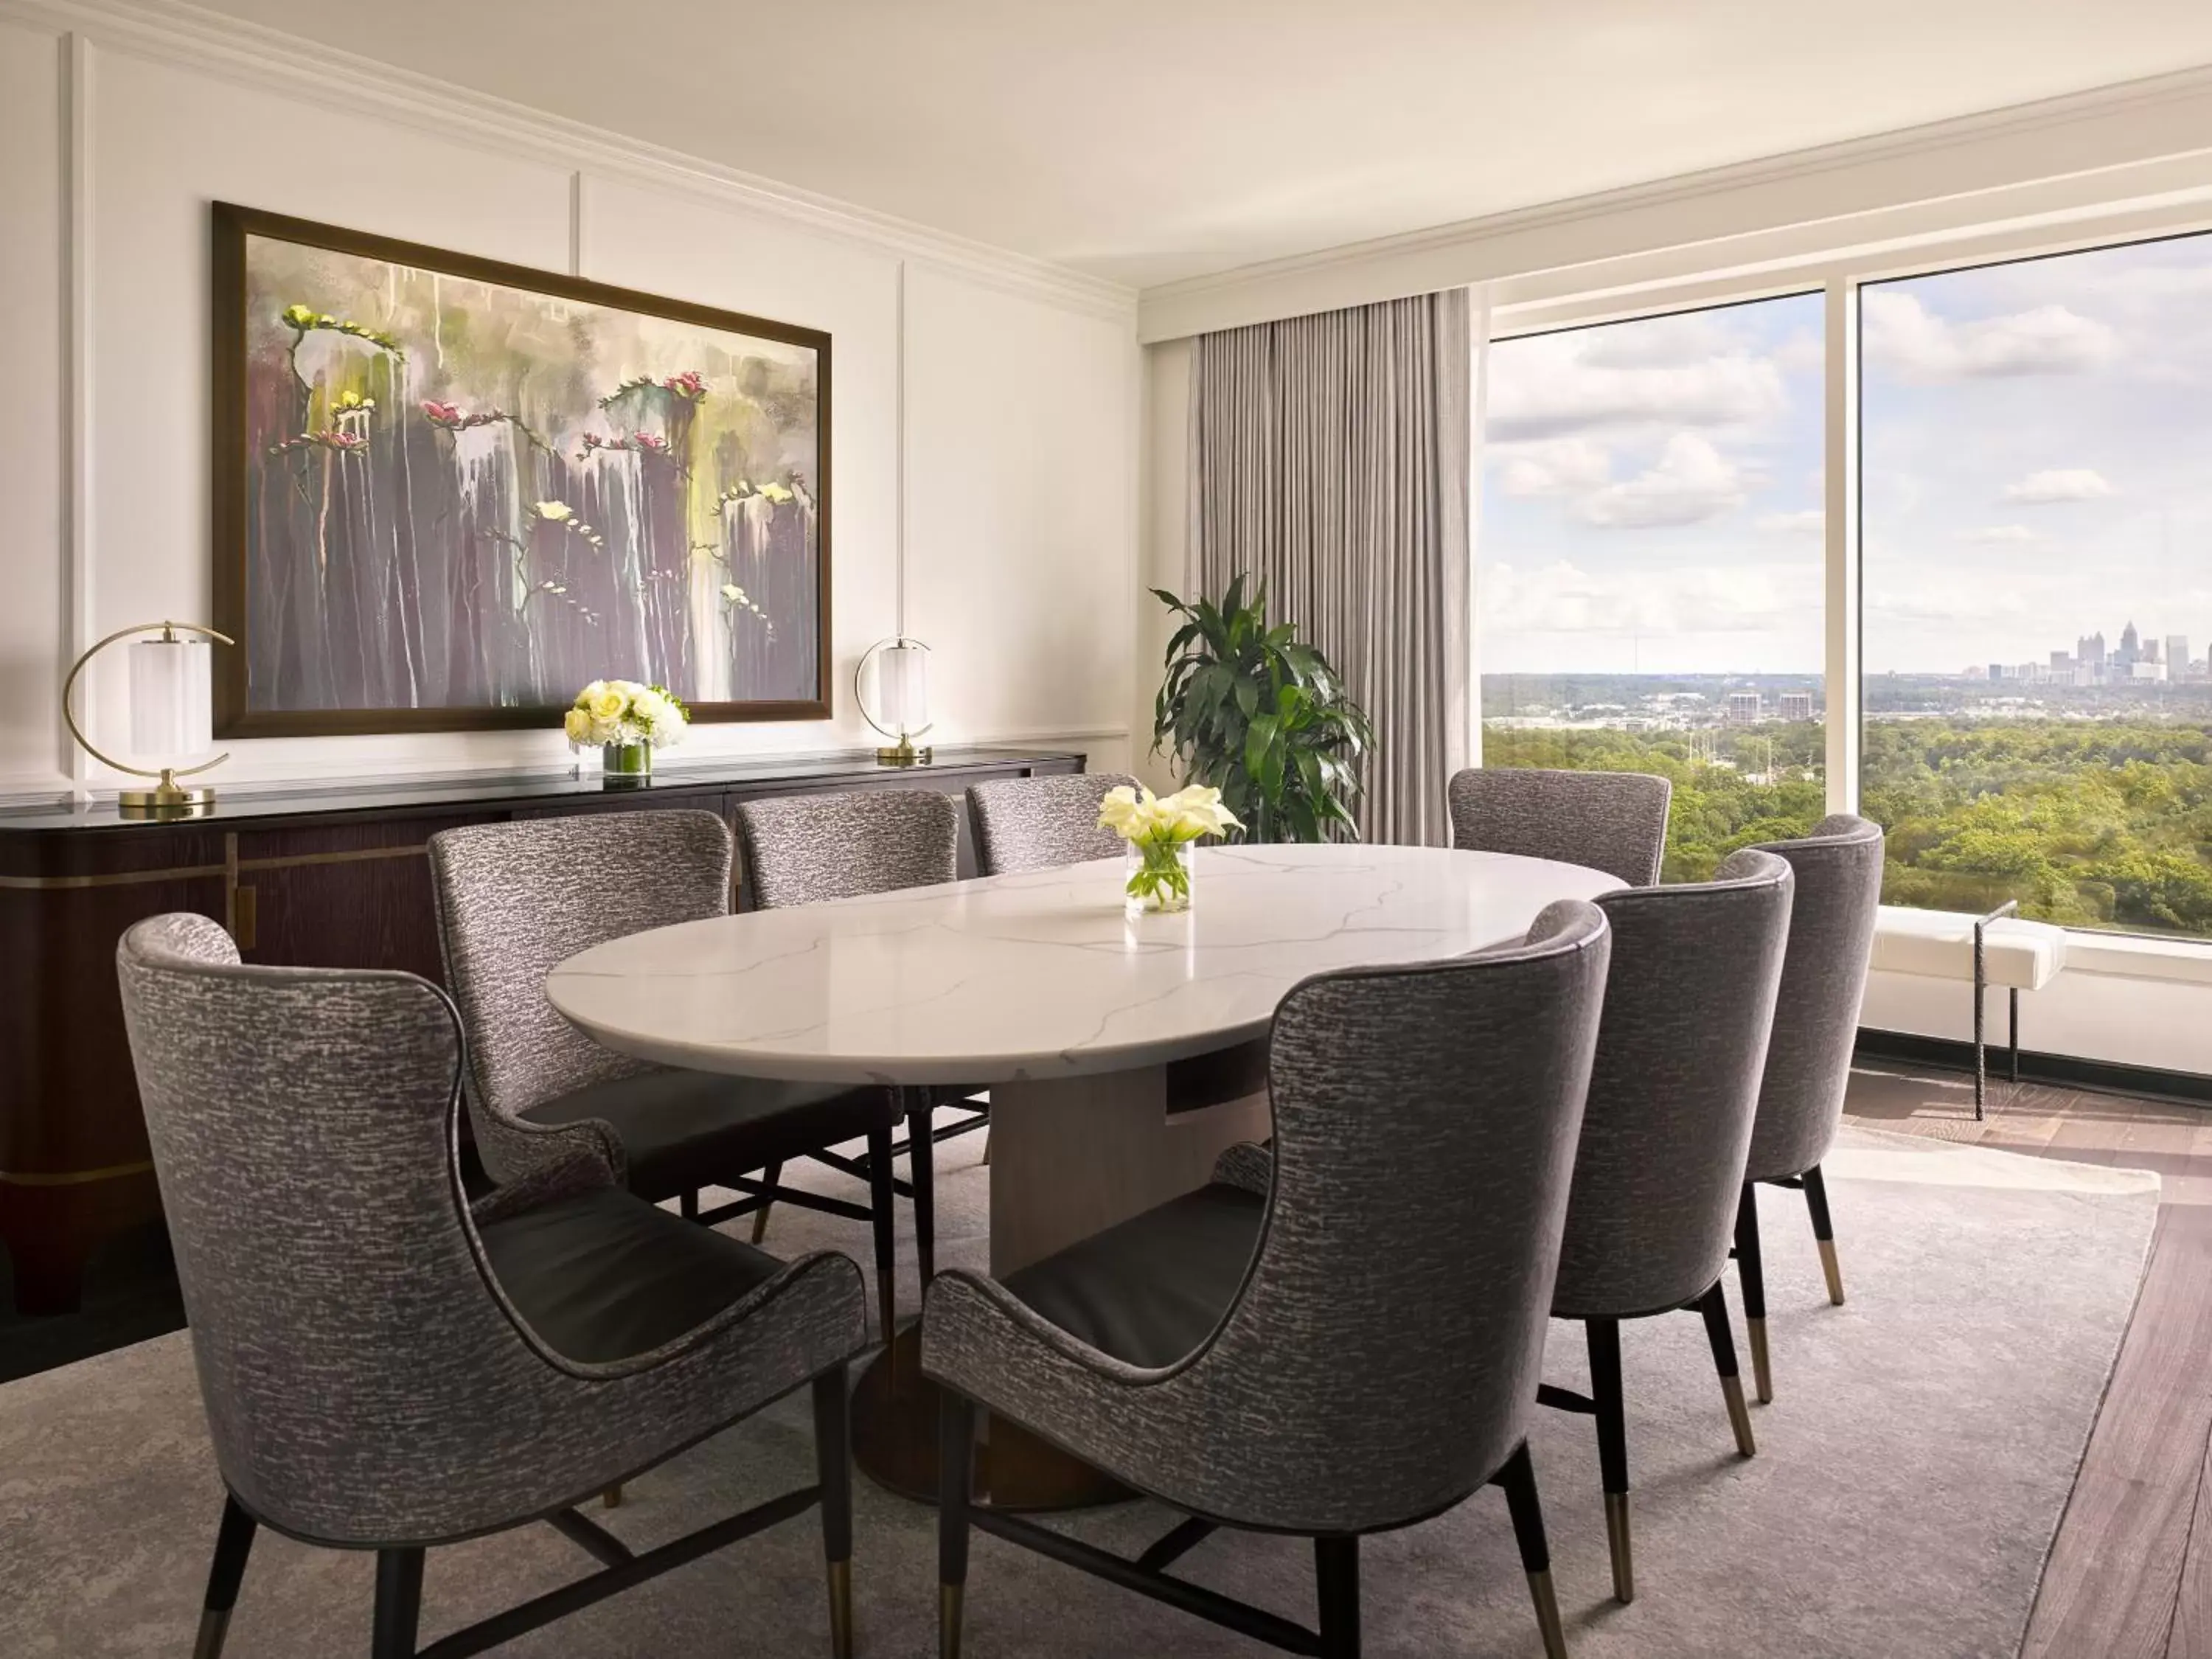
(172, 713)
(900, 708)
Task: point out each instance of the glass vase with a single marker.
(1155, 877)
(628, 763)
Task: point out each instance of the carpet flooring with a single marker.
(1912, 1472)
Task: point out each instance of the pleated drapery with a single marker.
(1328, 458)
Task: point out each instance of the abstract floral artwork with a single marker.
(449, 492)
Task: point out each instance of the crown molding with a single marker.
(248, 53)
(2105, 131)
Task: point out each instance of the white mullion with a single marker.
(1840, 482)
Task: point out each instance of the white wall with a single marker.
(1164, 552)
(984, 409)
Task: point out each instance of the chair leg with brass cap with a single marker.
(956, 1462)
(1824, 1232)
(234, 1541)
(1518, 1478)
(1713, 1305)
(1751, 1271)
(612, 1497)
(1604, 1339)
(833, 1462)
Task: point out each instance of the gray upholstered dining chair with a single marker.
(1688, 1005)
(838, 844)
(514, 900)
(1334, 1341)
(1809, 1063)
(384, 1368)
(1039, 823)
(1615, 822)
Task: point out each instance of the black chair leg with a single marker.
(234, 1541)
(1751, 1271)
(1336, 1574)
(1604, 1338)
(686, 1205)
(399, 1603)
(1713, 1304)
(834, 1465)
(921, 1163)
(883, 1220)
(956, 1460)
(1824, 1233)
(1518, 1477)
(760, 1217)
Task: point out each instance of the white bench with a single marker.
(1997, 948)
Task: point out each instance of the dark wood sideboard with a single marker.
(318, 876)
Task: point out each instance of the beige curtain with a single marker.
(1328, 457)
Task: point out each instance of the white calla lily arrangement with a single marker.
(1159, 831)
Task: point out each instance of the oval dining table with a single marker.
(1122, 1054)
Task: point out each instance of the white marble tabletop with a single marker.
(1040, 975)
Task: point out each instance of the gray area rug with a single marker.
(1911, 1475)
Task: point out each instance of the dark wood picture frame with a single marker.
(231, 226)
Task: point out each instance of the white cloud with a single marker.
(1999, 532)
(1551, 466)
(2073, 483)
(1801, 353)
(1563, 599)
(1905, 337)
(1553, 384)
(1949, 597)
(1690, 483)
(1811, 522)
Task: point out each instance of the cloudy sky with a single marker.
(2037, 444)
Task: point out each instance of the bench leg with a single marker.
(2015, 1034)
(1981, 1059)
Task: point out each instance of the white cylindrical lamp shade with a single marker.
(172, 710)
(902, 686)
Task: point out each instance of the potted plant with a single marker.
(1252, 712)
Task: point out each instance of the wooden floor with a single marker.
(2130, 1576)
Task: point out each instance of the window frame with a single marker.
(1665, 283)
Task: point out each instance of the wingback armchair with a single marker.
(384, 1369)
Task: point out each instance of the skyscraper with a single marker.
(1797, 705)
(2130, 651)
(2090, 651)
(1742, 707)
(2176, 655)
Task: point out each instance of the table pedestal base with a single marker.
(1069, 1157)
(895, 1423)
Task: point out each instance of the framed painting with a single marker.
(449, 492)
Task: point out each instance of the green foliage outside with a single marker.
(1717, 805)
(2090, 823)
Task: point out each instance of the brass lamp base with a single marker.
(903, 753)
(166, 799)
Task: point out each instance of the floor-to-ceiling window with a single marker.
(1650, 559)
(2036, 501)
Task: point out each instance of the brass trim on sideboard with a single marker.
(196, 871)
(118, 878)
(356, 855)
(73, 1177)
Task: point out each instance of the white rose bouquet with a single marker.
(621, 714)
(1159, 832)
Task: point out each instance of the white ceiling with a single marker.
(1149, 140)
